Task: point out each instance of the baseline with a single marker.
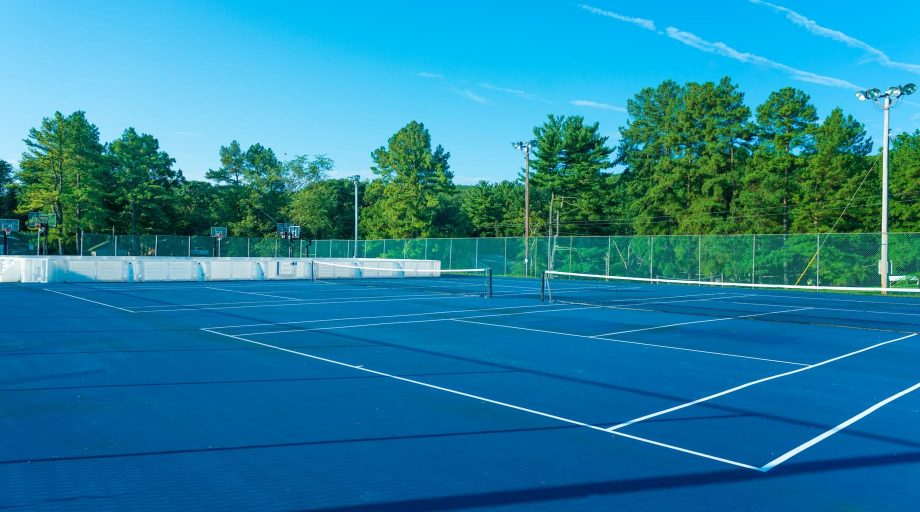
(817, 439)
(754, 383)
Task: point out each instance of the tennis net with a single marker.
(474, 282)
(897, 308)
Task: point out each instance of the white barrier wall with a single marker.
(45, 269)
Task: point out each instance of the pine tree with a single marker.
(63, 172)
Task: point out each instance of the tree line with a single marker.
(692, 159)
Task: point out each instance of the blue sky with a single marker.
(340, 78)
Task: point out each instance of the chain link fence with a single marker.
(830, 260)
(827, 260)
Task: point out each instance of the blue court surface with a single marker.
(294, 395)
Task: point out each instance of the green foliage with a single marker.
(648, 146)
(63, 172)
(691, 160)
(7, 190)
(904, 173)
(493, 209)
(784, 140)
(413, 183)
(325, 209)
(143, 196)
(253, 189)
(831, 177)
(569, 161)
(683, 148)
(197, 207)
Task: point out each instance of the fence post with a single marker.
(505, 259)
(753, 259)
(571, 238)
(699, 258)
(476, 259)
(189, 246)
(116, 244)
(156, 245)
(450, 255)
(607, 263)
(818, 268)
(651, 257)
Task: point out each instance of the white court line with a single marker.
(860, 311)
(828, 299)
(488, 400)
(138, 308)
(88, 300)
(653, 300)
(319, 302)
(754, 383)
(251, 293)
(400, 322)
(653, 345)
(804, 446)
(703, 321)
(404, 315)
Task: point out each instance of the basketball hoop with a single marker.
(7, 230)
(218, 236)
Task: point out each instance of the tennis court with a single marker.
(323, 395)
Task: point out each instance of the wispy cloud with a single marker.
(640, 22)
(722, 49)
(470, 95)
(431, 76)
(515, 92)
(597, 105)
(813, 27)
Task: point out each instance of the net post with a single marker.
(489, 284)
(543, 287)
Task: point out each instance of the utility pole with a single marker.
(525, 147)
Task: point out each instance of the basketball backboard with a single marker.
(36, 218)
(11, 224)
(219, 232)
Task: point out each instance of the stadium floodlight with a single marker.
(884, 101)
(525, 147)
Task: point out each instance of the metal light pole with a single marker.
(525, 147)
(356, 179)
(896, 93)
